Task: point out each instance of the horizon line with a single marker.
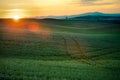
(58, 15)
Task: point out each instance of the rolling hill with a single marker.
(86, 16)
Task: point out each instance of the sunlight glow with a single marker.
(16, 17)
(15, 14)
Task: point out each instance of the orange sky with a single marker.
(29, 8)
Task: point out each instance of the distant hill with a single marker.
(50, 17)
(87, 16)
(97, 14)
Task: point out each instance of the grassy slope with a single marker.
(59, 58)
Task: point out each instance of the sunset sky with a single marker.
(30, 8)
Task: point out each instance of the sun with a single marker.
(16, 17)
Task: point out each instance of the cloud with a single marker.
(97, 2)
(88, 1)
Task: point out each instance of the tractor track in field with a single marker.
(100, 49)
(108, 41)
(66, 47)
(83, 57)
(82, 54)
(106, 53)
(79, 50)
(105, 49)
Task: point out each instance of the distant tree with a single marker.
(67, 18)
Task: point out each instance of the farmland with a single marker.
(59, 50)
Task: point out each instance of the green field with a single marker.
(59, 50)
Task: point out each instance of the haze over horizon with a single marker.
(31, 8)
